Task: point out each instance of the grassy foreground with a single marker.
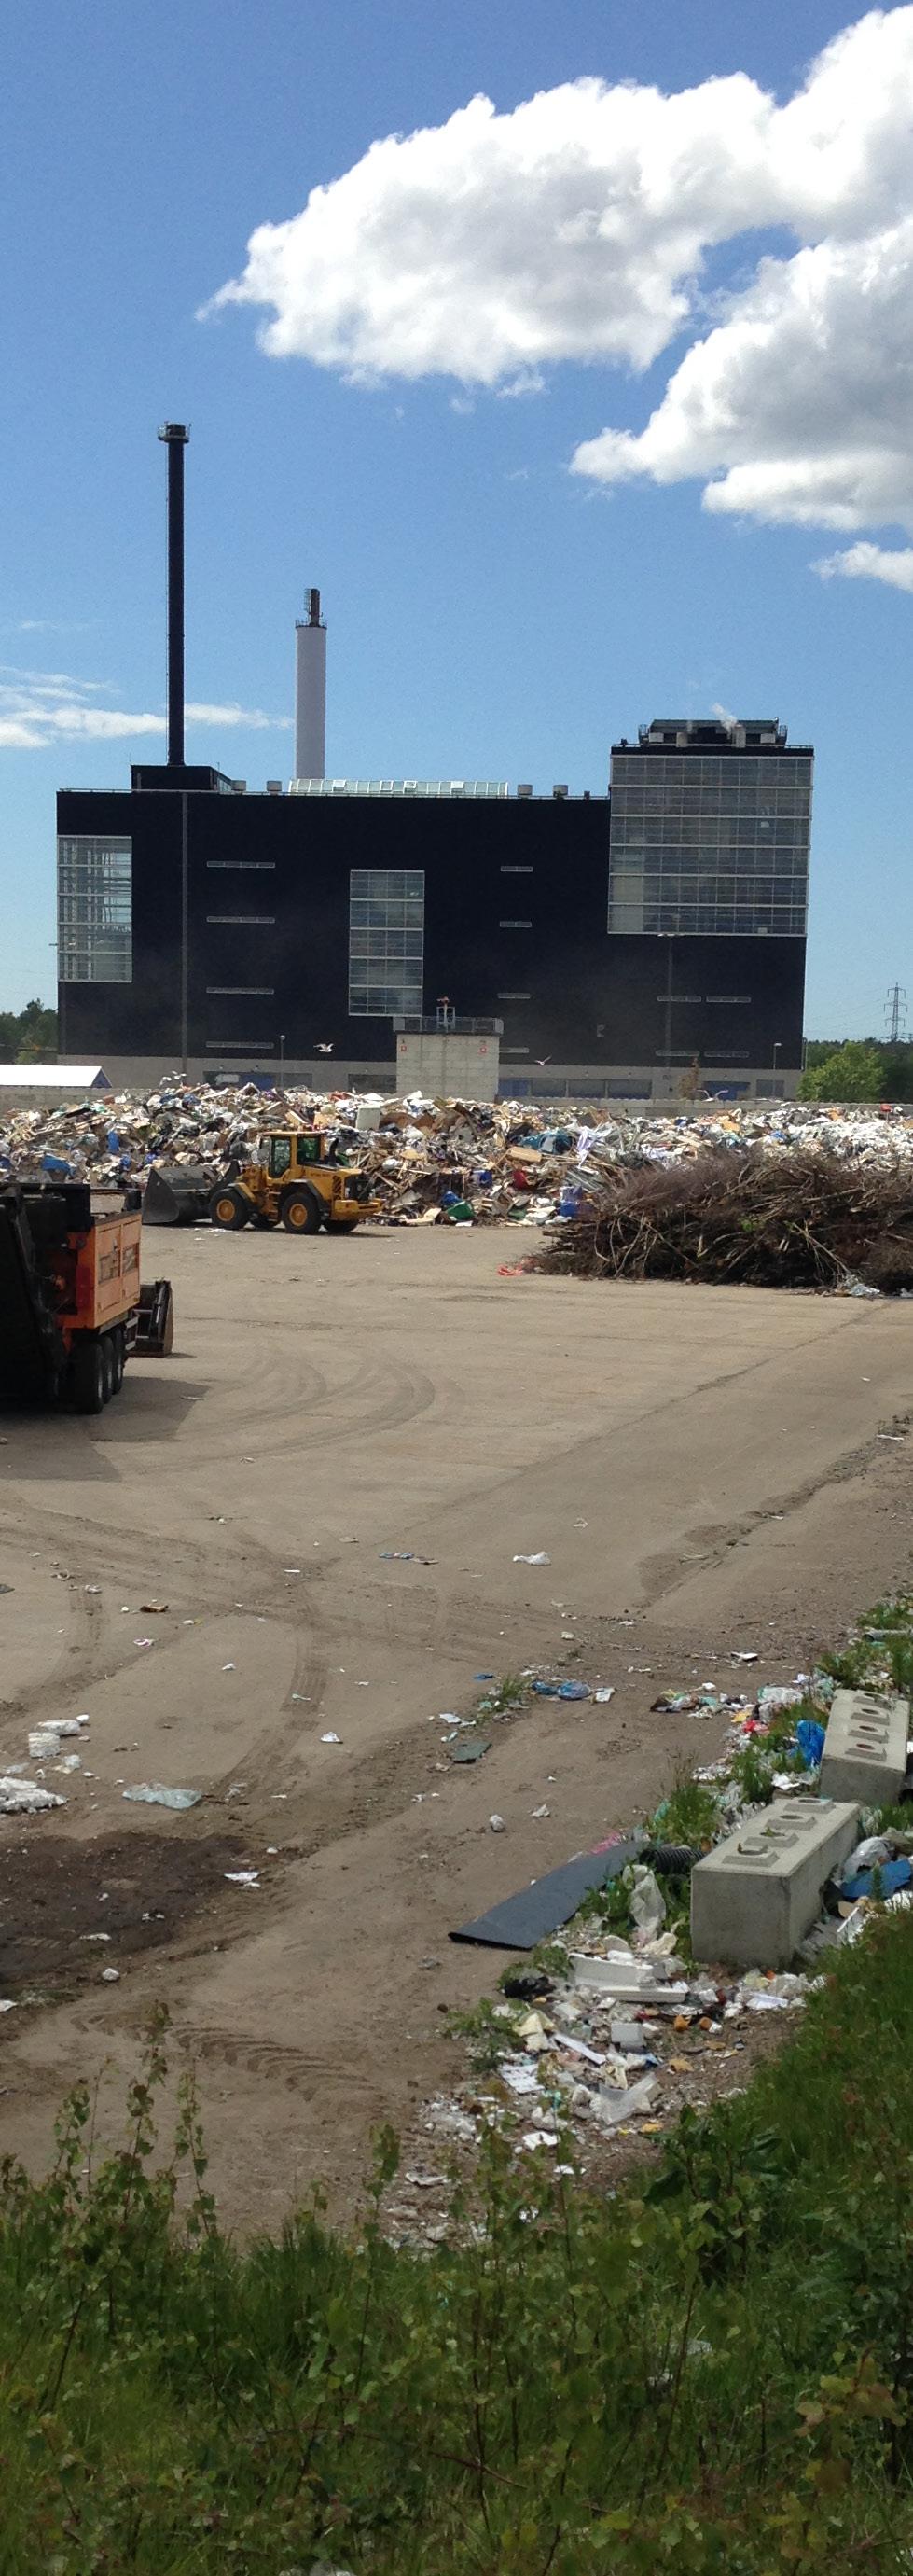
(713, 2372)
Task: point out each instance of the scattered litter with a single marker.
(153, 1608)
(25, 1798)
(603, 1695)
(469, 1749)
(154, 1794)
(497, 1825)
(539, 1813)
(330, 1738)
(541, 1559)
(242, 1877)
(110, 1976)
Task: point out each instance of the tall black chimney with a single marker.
(175, 436)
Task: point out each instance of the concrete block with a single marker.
(865, 1748)
(754, 1898)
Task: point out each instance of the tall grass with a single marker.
(709, 2372)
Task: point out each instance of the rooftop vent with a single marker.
(559, 791)
(274, 787)
(526, 789)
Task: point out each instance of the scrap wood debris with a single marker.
(448, 1161)
(809, 1219)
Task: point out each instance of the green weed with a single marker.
(690, 1814)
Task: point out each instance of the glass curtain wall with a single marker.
(709, 844)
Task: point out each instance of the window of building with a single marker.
(386, 942)
(240, 1046)
(244, 920)
(515, 997)
(241, 863)
(516, 872)
(515, 925)
(706, 844)
(95, 909)
(241, 988)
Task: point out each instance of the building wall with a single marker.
(566, 991)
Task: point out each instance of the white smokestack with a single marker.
(310, 691)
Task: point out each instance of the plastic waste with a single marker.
(540, 1559)
(648, 1904)
(810, 1741)
(25, 1798)
(893, 1876)
(152, 1793)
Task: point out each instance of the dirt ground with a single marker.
(327, 1485)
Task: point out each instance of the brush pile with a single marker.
(803, 1220)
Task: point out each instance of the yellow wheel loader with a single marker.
(295, 1181)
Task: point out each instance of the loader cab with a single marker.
(282, 1156)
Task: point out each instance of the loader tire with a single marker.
(301, 1212)
(228, 1208)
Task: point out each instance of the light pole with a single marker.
(281, 1059)
(778, 1042)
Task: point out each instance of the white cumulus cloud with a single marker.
(576, 227)
(42, 707)
(866, 562)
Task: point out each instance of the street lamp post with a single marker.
(281, 1058)
(778, 1042)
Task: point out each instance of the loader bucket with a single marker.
(155, 1319)
(176, 1194)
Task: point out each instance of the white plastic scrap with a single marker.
(648, 1904)
(24, 1798)
(540, 1559)
(154, 1794)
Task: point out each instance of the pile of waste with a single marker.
(608, 2029)
(453, 1162)
(809, 1219)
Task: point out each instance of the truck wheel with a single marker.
(107, 1366)
(119, 1351)
(228, 1208)
(89, 1378)
(301, 1212)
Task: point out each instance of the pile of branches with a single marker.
(797, 1220)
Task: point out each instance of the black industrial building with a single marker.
(231, 931)
(610, 943)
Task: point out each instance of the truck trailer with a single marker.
(72, 1306)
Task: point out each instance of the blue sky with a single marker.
(491, 612)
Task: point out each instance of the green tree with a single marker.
(37, 1033)
(28, 1036)
(854, 1071)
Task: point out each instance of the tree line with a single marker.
(28, 1036)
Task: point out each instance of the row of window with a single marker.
(730, 799)
(708, 769)
(386, 929)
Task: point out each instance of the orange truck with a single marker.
(72, 1306)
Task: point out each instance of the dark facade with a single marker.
(231, 928)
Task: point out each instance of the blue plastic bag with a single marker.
(810, 1742)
